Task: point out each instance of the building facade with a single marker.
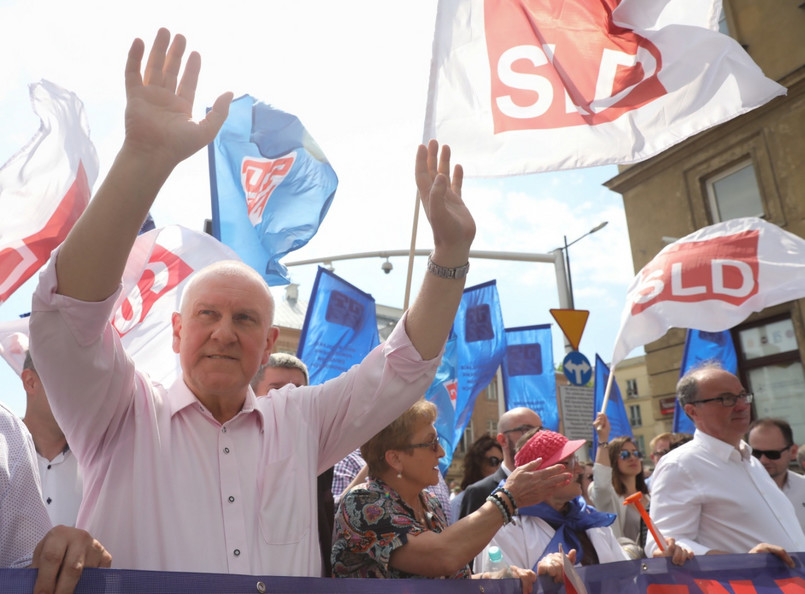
(753, 165)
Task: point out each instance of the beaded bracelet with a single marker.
(503, 511)
(508, 494)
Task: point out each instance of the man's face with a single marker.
(515, 427)
(223, 335)
(661, 447)
(770, 438)
(728, 424)
(276, 377)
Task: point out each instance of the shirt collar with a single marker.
(180, 397)
(722, 449)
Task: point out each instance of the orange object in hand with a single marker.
(634, 499)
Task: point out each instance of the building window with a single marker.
(640, 444)
(635, 419)
(631, 388)
(466, 438)
(492, 391)
(772, 370)
(723, 26)
(492, 427)
(734, 193)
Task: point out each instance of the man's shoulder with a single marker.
(487, 483)
(796, 481)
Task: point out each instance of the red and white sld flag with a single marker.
(156, 273)
(712, 280)
(521, 86)
(46, 186)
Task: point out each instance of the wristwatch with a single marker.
(445, 272)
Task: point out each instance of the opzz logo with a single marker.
(560, 64)
(259, 178)
(724, 268)
(163, 273)
(344, 311)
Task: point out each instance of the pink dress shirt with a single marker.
(167, 487)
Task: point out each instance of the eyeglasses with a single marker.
(521, 429)
(570, 463)
(770, 454)
(626, 454)
(493, 461)
(728, 400)
(432, 444)
(659, 453)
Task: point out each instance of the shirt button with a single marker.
(223, 429)
(226, 450)
(236, 552)
(231, 499)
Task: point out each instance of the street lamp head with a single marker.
(599, 226)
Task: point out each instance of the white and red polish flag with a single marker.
(46, 186)
(522, 86)
(712, 280)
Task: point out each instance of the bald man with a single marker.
(512, 425)
(202, 475)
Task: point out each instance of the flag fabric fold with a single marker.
(340, 327)
(712, 280)
(45, 186)
(271, 185)
(701, 346)
(597, 82)
(443, 392)
(529, 378)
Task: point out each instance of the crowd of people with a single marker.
(268, 457)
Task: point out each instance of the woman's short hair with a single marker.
(615, 447)
(475, 458)
(396, 436)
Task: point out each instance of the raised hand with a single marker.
(529, 486)
(452, 224)
(158, 113)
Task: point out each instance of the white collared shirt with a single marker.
(709, 495)
(794, 489)
(61, 487)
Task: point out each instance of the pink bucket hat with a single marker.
(549, 446)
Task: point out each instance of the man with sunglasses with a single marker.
(772, 443)
(711, 494)
(512, 425)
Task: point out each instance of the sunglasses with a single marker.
(433, 445)
(770, 454)
(626, 454)
(493, 461)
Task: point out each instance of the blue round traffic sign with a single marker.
(577, 368)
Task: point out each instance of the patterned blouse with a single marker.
(371, 522)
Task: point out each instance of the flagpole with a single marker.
(608, 389)
(411, 254)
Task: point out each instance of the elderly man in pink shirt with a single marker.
(203, 476)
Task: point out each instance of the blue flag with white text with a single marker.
(616, 410)
(480, 343)
(340, 327)
(529, 379)
(271, 185)
(442, 393)
(701, 346)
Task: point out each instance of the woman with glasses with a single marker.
(618, 473)
(483, 458)
(390, 527)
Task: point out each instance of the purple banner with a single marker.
(714, 574)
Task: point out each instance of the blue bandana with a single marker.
(579, 517)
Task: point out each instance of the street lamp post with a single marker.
(598, 227)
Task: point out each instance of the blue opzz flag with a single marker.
(701, 346)
(616, 410)
(340, 327)
(480, 342)
(442, 393)
(529, 379)
(271, 185)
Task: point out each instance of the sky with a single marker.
(356, 74)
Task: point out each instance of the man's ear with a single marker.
(176, 323)
(794, 449)
(690, 411)
(273, 334)
(29, 380)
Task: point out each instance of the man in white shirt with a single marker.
(772, 442)
(58, 468)
(711, 494)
